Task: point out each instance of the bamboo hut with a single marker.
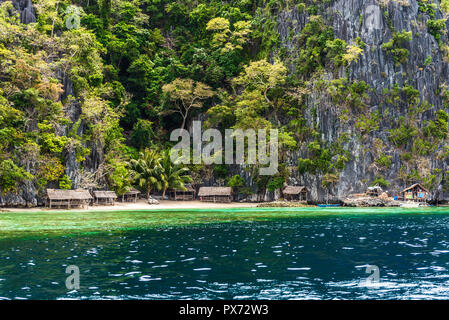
(131, 196)
(68, 198)
(292, 193)
(215, 194)
(182, 195)
(104, 197)
(416, 193)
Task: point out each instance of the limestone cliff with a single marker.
(393, 137)
(374, 22)
(26, 10)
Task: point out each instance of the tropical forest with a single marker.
(90, 91)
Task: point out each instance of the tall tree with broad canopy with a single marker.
(186, 94)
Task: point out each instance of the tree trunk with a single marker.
(163, 193)
(184, 118)
(276, 117)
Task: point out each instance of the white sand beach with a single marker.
(143, 205)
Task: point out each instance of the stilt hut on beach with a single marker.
(68, 198)
(131, 196)
(182, 195)
(292, 193)
(416, 193)
(104, 197)
(215, 194)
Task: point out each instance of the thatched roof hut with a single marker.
(58, 194)
(414, 187)
(215, 191)
(189, 189)
(183, 195)
(215, 194)
(295, 190)
(131, 196)
(105, 197)
(133, 192)
(415, 192)
(68, 198)
(296, 193)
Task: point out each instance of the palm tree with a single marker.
(329, 179)
(174, 176)
(148, 170)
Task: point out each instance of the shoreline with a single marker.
(141, 205)
(178, 205)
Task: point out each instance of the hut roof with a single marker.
(413, 187)
(58, 194)
(132, 192)
(189, 189)
(105, 195)
(292, 190)
(214, 191)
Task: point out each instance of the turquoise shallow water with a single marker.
(238, 254)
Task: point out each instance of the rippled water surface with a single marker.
(308, 257)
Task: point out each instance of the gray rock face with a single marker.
(365, 19)
(27, 14)
(27, 194)
(26, 10)
(26, 197)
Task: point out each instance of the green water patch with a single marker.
(55, 223)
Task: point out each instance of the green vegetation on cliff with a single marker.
(88, 98)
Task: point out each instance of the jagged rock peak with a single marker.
(26, 10)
